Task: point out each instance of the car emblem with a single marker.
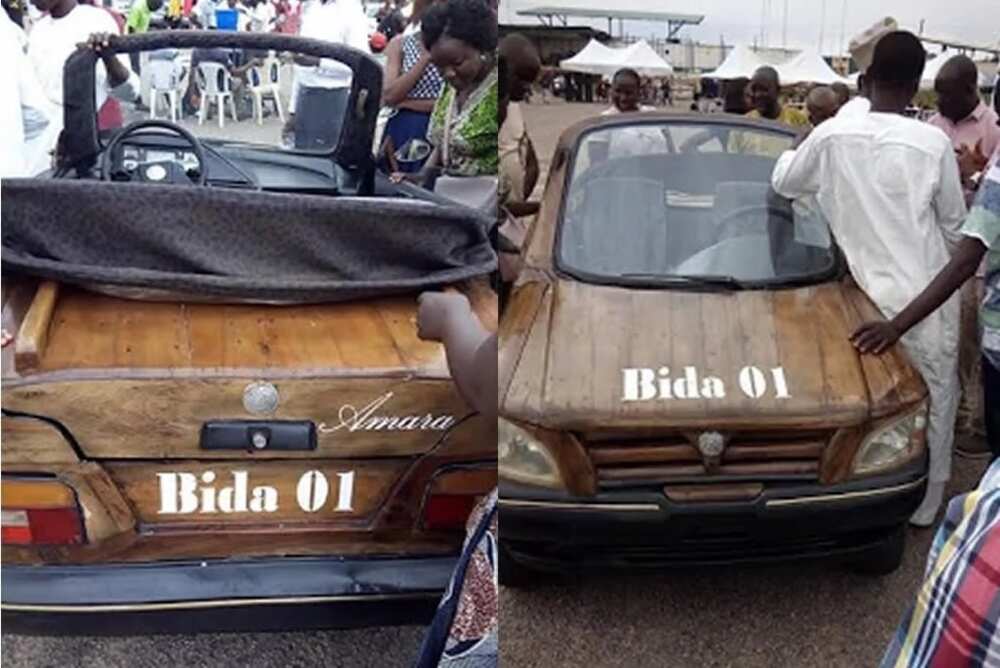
(260, 398)
(711, 445)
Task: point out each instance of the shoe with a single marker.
(928, 510)
(973, 447)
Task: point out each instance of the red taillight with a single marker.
(39, 512)
(448, 511)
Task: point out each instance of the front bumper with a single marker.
(643, 528)
(191, 597)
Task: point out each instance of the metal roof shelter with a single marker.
(549, 15)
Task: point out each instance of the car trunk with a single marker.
(149, 411)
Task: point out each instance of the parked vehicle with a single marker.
(217, 413)
(676, 380)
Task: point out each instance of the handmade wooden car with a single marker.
(192, 444)
(676, 379)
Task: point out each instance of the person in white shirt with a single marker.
(624, 142)
(322, 87)
(22, 108)
(262, 16)
(53, 40)
(890, 187)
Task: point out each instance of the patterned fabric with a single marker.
(954, 619)
(472, 640)
(430, 85)
(984, 224)
(463, 633)
(474, 128)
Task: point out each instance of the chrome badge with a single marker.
(260, 398)
(711, 444)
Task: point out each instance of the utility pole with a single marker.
(822, 28)
(843, 28)
(784, 28)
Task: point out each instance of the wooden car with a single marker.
(676, 379)
(245, 444)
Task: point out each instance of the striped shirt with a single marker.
(953, 622)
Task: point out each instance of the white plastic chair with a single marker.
(216, 85)
(166, 81)
(266, 83)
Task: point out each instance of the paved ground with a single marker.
(800, 615)
(374, 648)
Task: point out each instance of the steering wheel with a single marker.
(114, 147)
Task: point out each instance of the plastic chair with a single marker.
(266, 83)
(216, 85)
(166, 80)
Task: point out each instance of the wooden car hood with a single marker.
(566, 348)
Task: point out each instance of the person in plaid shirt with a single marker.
(954, 619)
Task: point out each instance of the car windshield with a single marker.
(283, 99)
(687, 202)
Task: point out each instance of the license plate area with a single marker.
(259, 435)
(198, 495)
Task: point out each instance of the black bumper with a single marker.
(250, 595)
(643, 528)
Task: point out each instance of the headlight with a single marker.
(522, 458)
(893, 443)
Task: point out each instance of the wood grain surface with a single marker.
(135, 418)
(570, 369)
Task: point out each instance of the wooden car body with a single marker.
(627, 386)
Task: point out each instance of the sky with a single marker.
(740, 21)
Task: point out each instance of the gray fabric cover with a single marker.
(235, 244)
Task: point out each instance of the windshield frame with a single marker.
(353, 151)
(667, 282)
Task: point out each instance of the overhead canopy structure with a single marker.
(807, 67)
(595, 58)
(643, 59)
(592, 59)
(741, 62)
(549, 15)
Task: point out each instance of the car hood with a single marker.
(587, 357)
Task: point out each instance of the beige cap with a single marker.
(862, 46)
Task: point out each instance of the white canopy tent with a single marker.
(595, 58)
(741, 62)
(592, 59)
(807, 67)
(643, 59)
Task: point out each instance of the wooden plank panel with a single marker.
(33, 335)
(206, 334)
(154, 335)
(400, 319)
(356, 417)
(159, 491)
(84, 332)
(91, 331)
(33, 441)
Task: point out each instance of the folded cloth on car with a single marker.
(230, 244)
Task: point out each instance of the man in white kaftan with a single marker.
(890, 188)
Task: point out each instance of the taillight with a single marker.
(39, 512)
(448, 511)
(453, 494)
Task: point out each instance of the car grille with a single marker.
(748, 457)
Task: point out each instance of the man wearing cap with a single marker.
(889, 185)
(862, 47)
